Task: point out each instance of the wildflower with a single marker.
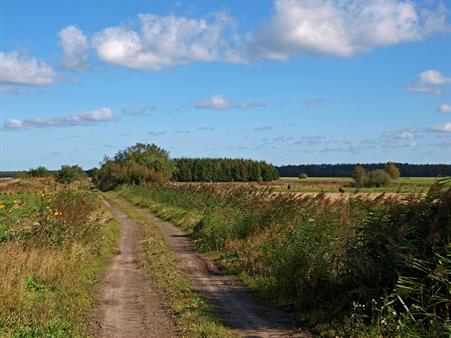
(2, 206)
(55, 213)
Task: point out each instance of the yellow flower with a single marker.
(55, 213)
(15, 202)
(2, 206)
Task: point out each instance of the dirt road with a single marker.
(238, 309)
(129, 307)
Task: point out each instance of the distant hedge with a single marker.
(223, 170)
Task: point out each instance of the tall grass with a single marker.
(379, 264)
(50, 259)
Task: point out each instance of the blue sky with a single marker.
(283, 81)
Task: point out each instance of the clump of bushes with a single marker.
(141, 163)
(69, 174)
(376, 177)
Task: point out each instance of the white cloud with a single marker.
(443, 128)
(20, 70)
(444, 108)
(75, 119)
(164, 41)
(75, 46)
(218, 101)
(430, 81)
(13, 124)
(343, 28)
(400, 138)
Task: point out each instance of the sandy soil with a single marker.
(129, 307)
(238, 309)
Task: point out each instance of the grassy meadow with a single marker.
(54, 242)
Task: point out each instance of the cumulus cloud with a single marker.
(443, 128)
(444, 108)
(343, 28)
(75, 49)
(76, 119)
(430, 81)
(219, 101)
(21, 70)
(164, 41)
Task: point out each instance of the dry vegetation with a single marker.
(54, 241)
(350, 267)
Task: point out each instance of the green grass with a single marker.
(193, 315)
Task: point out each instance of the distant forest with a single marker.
(345, 170)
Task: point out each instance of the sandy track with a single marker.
(238, 309)
(129, 307)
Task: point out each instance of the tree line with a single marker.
(223, 170)
(144, 163)
(346, 170)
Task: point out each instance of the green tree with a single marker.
(392, 170)
(360, 176)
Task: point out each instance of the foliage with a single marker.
(141, 163)
(38, 172)
(392, 170)
(69, 174)
(378, 178)
(360, 176)
(223, 170)
(345, 260)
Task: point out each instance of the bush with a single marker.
(378, 178)
(360, 176)
(303, 176)
(141, 163)
(69, 174)
(39, 172)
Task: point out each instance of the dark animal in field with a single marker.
(341, 189)
(289, 187)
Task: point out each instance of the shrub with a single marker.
(392, 170)
(39, 172)
(360, 176)
(378, 178)
(303, 176)
(69, 174)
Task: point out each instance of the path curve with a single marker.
(238, 309)
(129, 307)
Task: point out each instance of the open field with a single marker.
(332, 184)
